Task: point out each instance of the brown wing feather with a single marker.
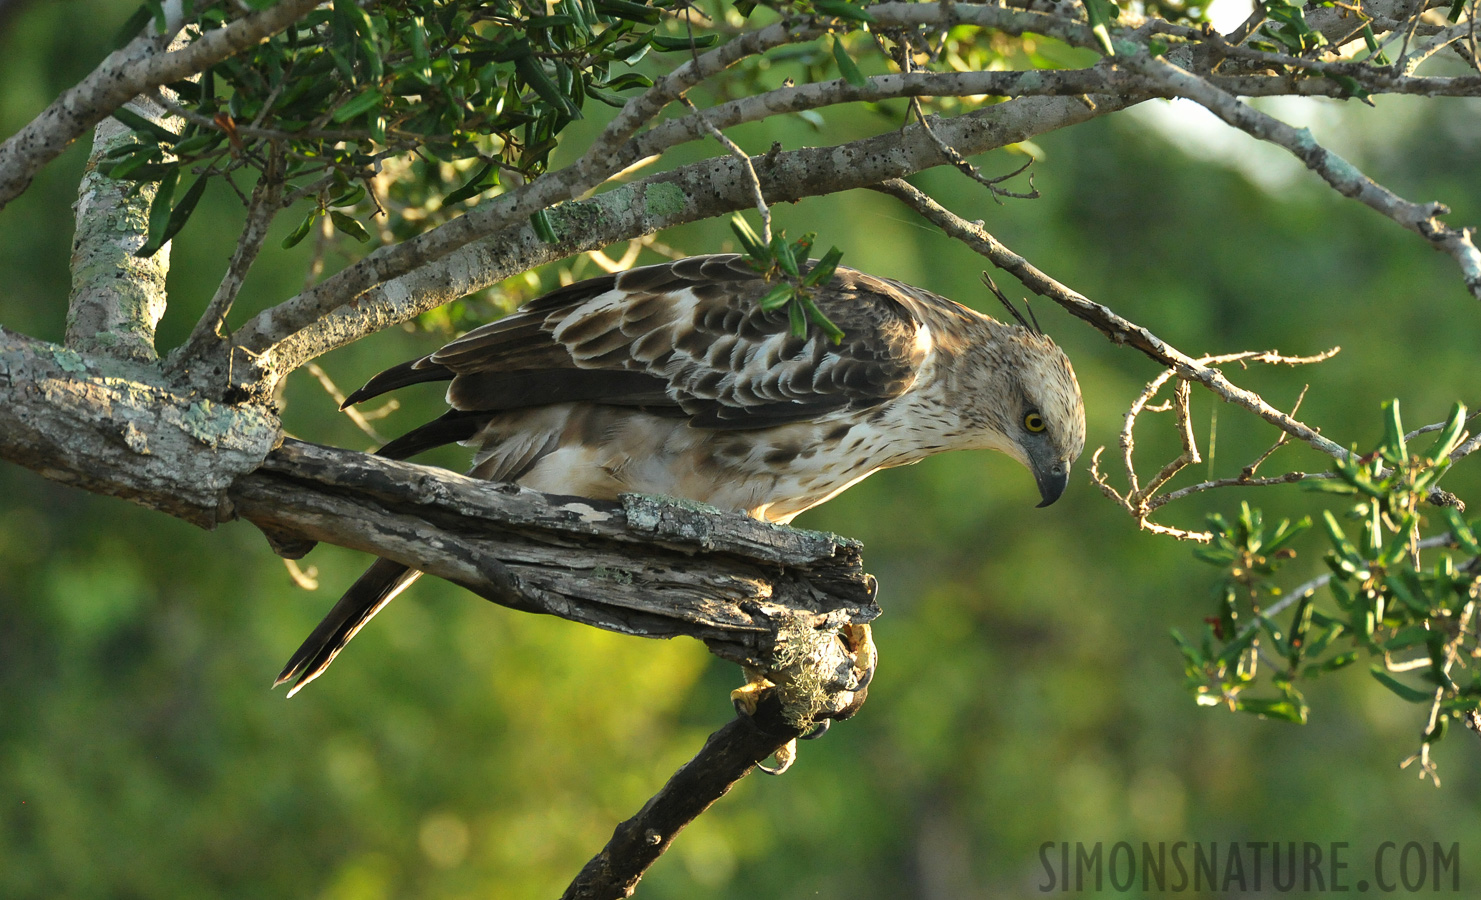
(687, 338)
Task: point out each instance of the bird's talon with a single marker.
(747, 696)
(817, 730)
(785, 755)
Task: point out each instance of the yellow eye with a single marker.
(1034, 422)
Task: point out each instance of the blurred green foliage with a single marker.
(1026, 693)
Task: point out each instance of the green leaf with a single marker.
(798, 320)
(199, 143)
(1411, 694)
(1375, 53)
(302, 231)
(846, 66)
(754, 246)
(540, 221)
(603, 95)
(1340, 661)
(1461, 531)
(349, 198)
(777, 297)
(1450, 435)
(629, 80)
(139, 123)
(822, 271)
(701, 41)
(475, 185)
(1099, 16)
(833, 332)
(841, 10)
(159, 214)
(781, 251)
(1190, 652)
(1284, 710)
(349, 226)
(359, 106)
(1393, 434)
(633, 12)
(533, 74)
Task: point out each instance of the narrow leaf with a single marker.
(473, 186)
(358, 106)
(139, 123)
(159, 214)
(841, 10)
(846, 66)
(349, 226)
(1413, 695)
(302, 231)
(822, 271)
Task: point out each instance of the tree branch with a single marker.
(1420, 218)
(727, 756)
(112, 426)
(117, 298)
(1118, 329)
(698, 191)
(629, 567)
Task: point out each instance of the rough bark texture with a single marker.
(648, 566)
(117, 298)
(115, 427)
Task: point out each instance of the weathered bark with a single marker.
(648, 566)
(112, 426)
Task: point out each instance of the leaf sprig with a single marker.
(785, 262)
(1417, 617)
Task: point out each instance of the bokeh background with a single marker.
(1028, 691)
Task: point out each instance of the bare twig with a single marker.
(1420, 218)
(745, 160)
(263, 205)
(1115, 327)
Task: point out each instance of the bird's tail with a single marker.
(366, 597)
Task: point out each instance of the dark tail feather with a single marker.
(448, 428)
(366, 597)
(413, 372)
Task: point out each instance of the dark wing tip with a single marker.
(415, 371)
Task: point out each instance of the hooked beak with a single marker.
(1052, 482)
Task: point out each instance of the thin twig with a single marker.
(745, 161)
(263, 205)
(1120, 330)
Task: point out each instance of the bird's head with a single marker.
(1039, 410)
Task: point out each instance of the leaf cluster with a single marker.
(1415, 616)
(797, 276)
(484, 87)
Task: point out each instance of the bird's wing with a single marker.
(685, 339)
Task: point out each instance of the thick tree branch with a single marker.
(121, 77)
(112, 426)
(631, 567)
(697, 191)
(117, 298)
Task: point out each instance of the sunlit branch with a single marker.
(1420, 218)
